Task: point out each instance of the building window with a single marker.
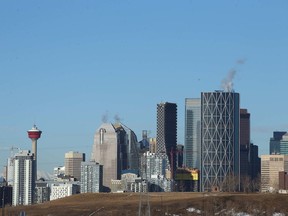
(102, 131)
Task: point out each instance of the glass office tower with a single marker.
(192, 150)
(220, 140)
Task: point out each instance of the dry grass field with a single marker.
(109, 204)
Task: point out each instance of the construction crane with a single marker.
(11, 149)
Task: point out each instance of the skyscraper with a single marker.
(115, 147)
(167, 132)
(24, 180)
(284, 144)
(244, 142)
(73, 164)
(220, 139)
(275, 141)
(255, 162)
(192, 150)
(249, 160)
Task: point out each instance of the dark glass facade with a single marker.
(220, 139)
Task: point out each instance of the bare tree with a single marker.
(246, 183)
(231, 183)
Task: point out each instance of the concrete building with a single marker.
(116, 148)
(91, 177)
(58, 172)
(24, 179)
(5, 196)
(271, 165)
(187, 180)
(192, 154)
(155, 170)
(60, 190)
(73, 164)
(220, 140)
(10, 171)
(167, 132)
(144, 143)
(130, 182)
(42, 192)
(283, 181)
(152, 144)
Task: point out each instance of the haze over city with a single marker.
(67, 66)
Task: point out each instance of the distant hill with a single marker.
(160, 204)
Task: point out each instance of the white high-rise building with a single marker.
(91, 177)
(10, 171)
(24, 180)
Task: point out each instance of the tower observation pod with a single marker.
(34, 134)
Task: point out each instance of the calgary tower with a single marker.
(34, 134)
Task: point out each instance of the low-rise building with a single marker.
(271, 165)
(60, 190)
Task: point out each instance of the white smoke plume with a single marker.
(117, 118)
(241, 61)
(227, 83)
(105, 117)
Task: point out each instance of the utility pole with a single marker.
(144, 208)
(3, 201)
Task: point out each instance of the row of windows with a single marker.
(276, 159)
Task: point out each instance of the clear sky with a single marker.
(66, 64)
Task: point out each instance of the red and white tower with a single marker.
(34, 134)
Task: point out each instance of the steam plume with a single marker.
(227, 83)
(105, 117)
(117, 118)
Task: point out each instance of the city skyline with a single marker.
(69, 67)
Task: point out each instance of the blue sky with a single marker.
(66, 64)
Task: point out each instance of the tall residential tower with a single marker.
(167, 132)
(24, 180)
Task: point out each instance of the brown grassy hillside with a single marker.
(160, 204)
